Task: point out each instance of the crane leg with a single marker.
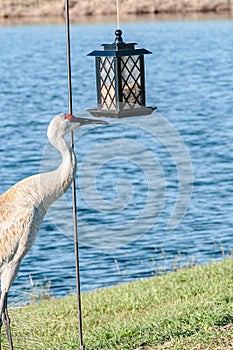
(0, 333)
(6, 322)
(7, 277)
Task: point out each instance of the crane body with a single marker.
(24, 205)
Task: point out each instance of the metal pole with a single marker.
(73, 183)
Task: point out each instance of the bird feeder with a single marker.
(120, 80)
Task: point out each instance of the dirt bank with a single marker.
(54, 8)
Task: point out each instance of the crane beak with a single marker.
(85, 121)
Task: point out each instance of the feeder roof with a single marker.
(119, 53)
(119, 48)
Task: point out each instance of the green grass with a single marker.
(188, 309)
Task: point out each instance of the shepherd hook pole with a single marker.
(73, 183)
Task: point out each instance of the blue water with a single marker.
(189, 78)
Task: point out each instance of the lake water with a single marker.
(141, 165)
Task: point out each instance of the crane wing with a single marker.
(15, 224)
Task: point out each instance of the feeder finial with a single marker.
(118, 39)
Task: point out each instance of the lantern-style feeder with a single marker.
(120, 80)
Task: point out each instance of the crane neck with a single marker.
(55, 183)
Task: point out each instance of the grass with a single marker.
(188, 309)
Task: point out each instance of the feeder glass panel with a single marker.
(131, 82)
(107, 83)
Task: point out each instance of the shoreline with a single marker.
(88, 11)
(173, 17)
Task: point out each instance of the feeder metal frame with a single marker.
(119, 96)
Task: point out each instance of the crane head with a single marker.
(83, 121)
(64, 123)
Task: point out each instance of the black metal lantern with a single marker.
(120, 80)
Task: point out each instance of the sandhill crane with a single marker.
(24, 205)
